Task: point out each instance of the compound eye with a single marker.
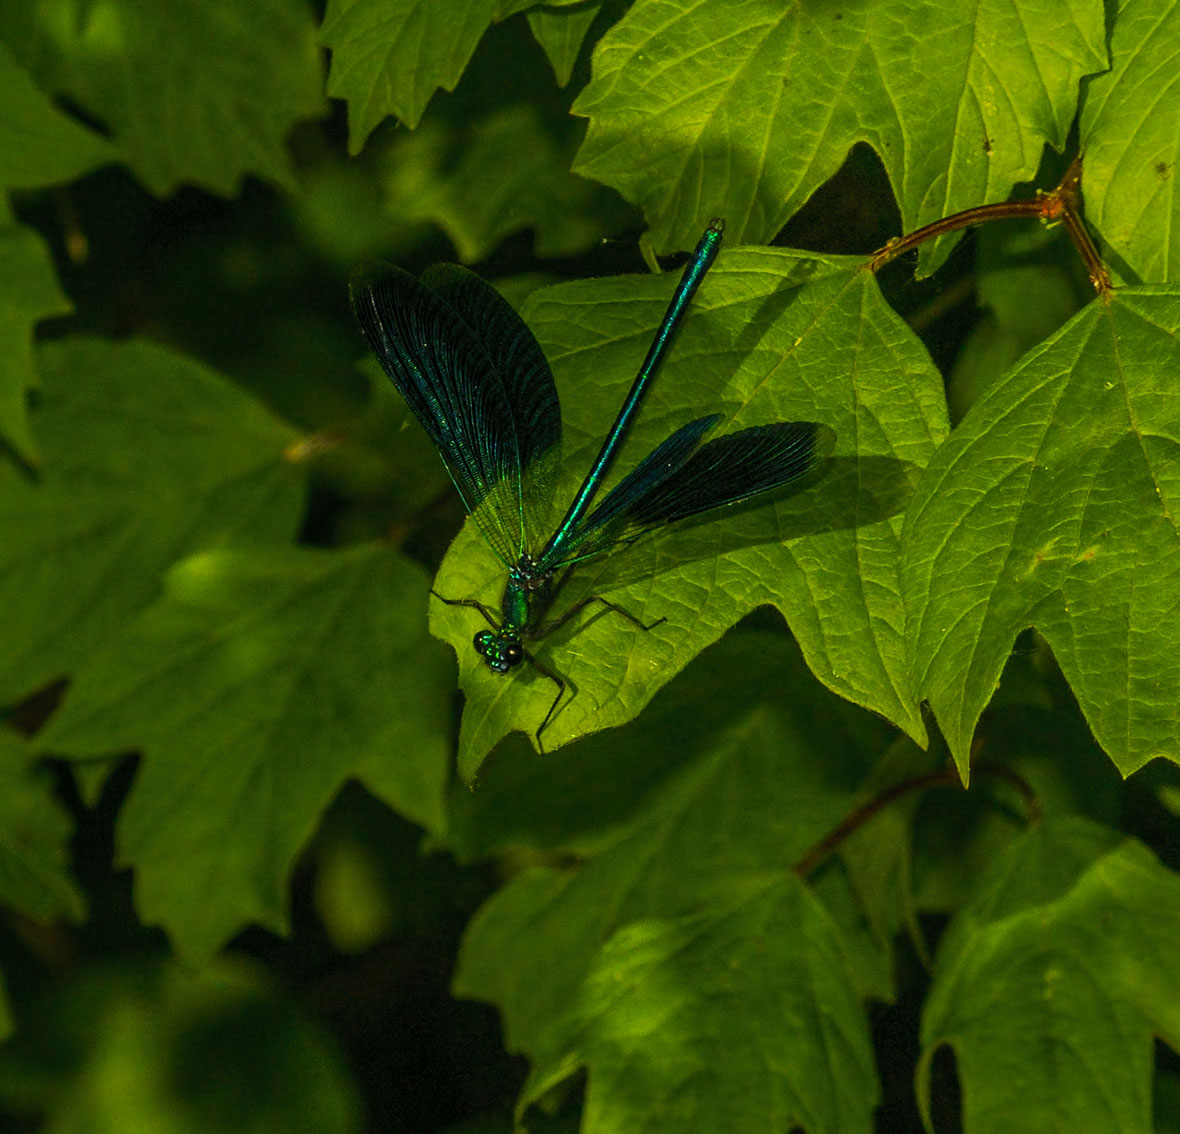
(482, 641)
(513, 654)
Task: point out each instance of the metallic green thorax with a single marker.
(527, 592)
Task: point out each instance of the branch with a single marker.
(945, 778)
(1062, 204)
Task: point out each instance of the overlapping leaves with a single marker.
(192, 92)
(1053, 981)
(686, 928)
(752, 106)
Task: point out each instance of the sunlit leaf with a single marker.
(1129, 143)
(772, 336)
(747, 108)
(1053, 505)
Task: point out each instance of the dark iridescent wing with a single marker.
(725, 471)
(603, 526)
(528, 381)
(475, 378)
(734, 468)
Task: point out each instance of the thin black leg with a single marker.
(548, 627)
(545, 671)
(560, 620)
(492, 622)
(539, 666)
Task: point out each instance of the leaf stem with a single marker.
(1062, 204)
(944, 778)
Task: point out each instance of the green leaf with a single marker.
(1022, 282)
(35, 832)
(192, 92)
(7, 1024)
(751, 779)
(1052, 982)
(39, 145)
(503, 173)
(870, 958)
(1053, 505)
(601, 789)
(561, 31)
(657, 1023)
(772, 336)
(1129, 142)
(746, 109)
(390, 56)
(31, 293)
(148, 456)
(955, 841)
(257, 685)
(867, 885)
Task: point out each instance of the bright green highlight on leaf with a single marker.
(1130, 143)
(350, 897)
(256, 686)
(1053, 505)
(147, 456)
(747, 108)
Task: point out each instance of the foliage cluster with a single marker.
(877, 828)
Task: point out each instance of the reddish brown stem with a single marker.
(1099, 276)
(968, 218)
(945, 778)
(1061, 204)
